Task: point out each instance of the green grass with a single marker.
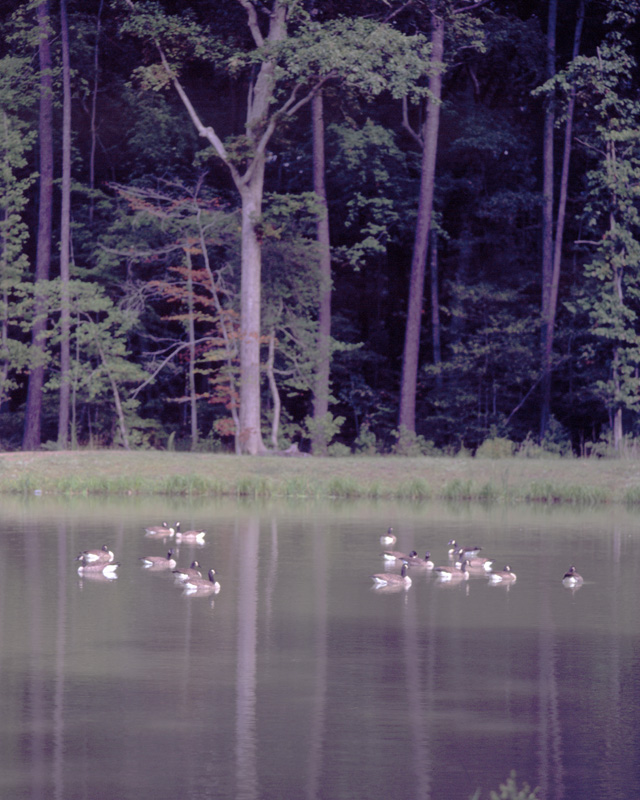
(504, 480)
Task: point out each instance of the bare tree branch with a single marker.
(397, 11)
(206, 132)
(407, 125)
(289, 108)
(254, 27)
(471, 8)
(164, 363)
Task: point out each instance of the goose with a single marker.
(159, 562)
(392, 578)
(189, 536)
(453, 574)
(467, 552)
(479, 564)
(188, 572)
(202, 585)
(159, 530)
(101, 556)
(503, 576)
(108, 569)
(572, 578)
(396, 555)
(416, 561)
(389, 538)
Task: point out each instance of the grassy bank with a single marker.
(86, 472)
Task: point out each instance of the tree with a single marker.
(31, 437)
(552, 241)
(547, 207)
(260, 124)
(612, 212)
(16, 180)
(490, 367)
(428, 141)
(103, 367)
(183, 233)
(483, 362)
(487, 223)
(291, 286)
(292, 59)
(65, 236)
(321, 386)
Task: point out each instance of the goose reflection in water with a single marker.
(390, 589)
(97, 577)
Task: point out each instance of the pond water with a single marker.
(299, 679)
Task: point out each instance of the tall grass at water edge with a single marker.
(579, 482)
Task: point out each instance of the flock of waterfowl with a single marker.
(464, 563)
(99, 563)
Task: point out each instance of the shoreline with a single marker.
(150, 472)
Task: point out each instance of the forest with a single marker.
(369, 226)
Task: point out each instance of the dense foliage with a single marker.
(179, 109)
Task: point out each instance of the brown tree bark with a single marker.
(122, 423)
(33, 411)
(552, 304)
(273, 385)
(407, 416)
(321, 386)
(435, 309)
(65, 238)
(93, 112)
(191, 332)
(547, 210)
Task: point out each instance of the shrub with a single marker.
(367, 442)
(411, 444)
(338, 450)
(510, 791)
(497, 447)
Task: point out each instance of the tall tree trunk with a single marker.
(547, 211)
(260, 125)
(74, 402)
(251, 188)
(618, 432)
(617, 269)
(407, 416)
(33, 412)
(227, 335)
(557, 245)
(323, 365)
(191, 331)
(275, 394)
(250, 297)
(4, 263)
(93, 113)
(122, 423)
(435, 310)
(65, 237)
(4, 341)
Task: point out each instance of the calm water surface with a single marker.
(301, 681)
